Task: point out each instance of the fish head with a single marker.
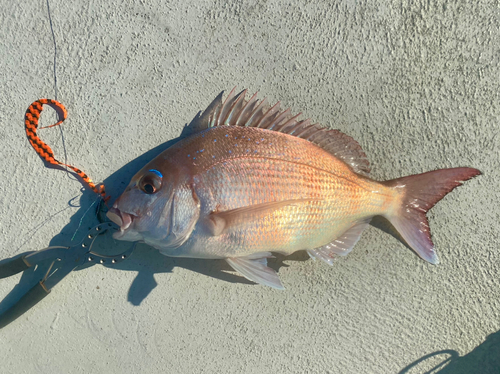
(143, 211)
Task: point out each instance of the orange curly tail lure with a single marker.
(43, 150)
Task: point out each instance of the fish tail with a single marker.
(419, 193)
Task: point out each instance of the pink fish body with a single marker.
(257, 180)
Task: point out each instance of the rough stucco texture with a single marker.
(416, 83)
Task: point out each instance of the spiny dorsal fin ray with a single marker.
(236, 110)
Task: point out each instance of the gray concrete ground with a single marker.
(416, 83)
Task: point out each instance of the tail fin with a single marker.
(421, 193)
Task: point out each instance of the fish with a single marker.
(254, 180)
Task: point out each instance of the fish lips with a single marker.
(122, 219)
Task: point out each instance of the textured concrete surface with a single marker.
(416, 83)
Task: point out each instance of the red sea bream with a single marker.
(257, 180)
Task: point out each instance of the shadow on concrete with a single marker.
(484, 359)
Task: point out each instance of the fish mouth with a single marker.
(122, 219)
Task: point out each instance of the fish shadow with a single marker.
(485, 359)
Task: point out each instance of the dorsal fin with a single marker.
(236, 110)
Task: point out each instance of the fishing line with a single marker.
(83, 216)
(55, 88)
(31, 122)
(70, 176)
(33, 231)
(45, 152)
(55, 50)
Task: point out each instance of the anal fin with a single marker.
(340, 246)
(255, 269)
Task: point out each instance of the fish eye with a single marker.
(150, 183)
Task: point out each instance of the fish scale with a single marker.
(275, 173)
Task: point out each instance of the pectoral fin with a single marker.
(255, 268)
(218, 222)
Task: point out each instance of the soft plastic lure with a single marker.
(44, 151)
(61, 260)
